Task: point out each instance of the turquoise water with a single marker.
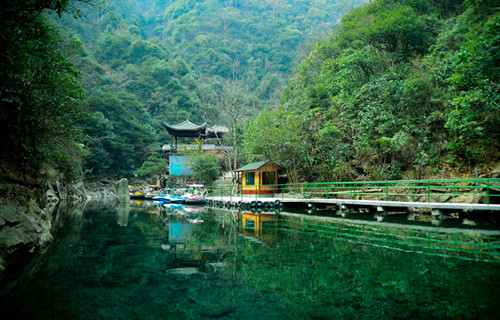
(150, 262)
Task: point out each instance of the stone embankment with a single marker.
(101, 189)
(27, 206)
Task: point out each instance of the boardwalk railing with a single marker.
(486, 191)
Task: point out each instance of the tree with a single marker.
(234, 103)
(205, 168)
(474, 116)
(40, 95)
(280, 137)
(153, 166)
(399, 86)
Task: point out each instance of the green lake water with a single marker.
(150, 262)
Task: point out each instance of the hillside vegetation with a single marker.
(393, 89)
(145, 61)
(401, 89)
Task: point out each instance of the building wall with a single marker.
(257, 187)
(178, 165)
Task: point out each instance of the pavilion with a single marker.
(200, 133)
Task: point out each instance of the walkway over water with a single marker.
(439, 196)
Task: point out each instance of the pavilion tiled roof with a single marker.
(189, 129)
(185, 129)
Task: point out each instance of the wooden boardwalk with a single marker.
(345, 205)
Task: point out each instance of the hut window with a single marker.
(268, 177)
(250, 177)
(249, 226)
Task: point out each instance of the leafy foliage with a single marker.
(144, 62)
(205, 168)
(40, 95)
(153, 166)
(399, 86)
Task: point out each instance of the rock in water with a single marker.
(122, 193)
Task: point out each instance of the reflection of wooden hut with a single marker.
(262, 226)
(259, 177)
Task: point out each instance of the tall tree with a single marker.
(235, 103)
(40, 96)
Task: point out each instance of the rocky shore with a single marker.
(28, 208)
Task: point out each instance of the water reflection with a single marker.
(474, 244)
(398, 232)
(148, 261)
(122, 212)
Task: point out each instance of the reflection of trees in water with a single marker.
(321, 277)
(322, 274)
(95, 264)
(451, 242)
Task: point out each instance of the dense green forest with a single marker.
(401, 89)
(141, 62)
(394, 87)
(176, 60)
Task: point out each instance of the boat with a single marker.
(195, 195)
(167, 198)
(161, 197)
(195, 199)
(137, 192)
(198, 219)
(172, 205)
(193, 209)
(152, 191)
(175, 199)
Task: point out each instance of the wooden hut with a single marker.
(259, 177)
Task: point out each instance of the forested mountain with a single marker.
(402, 87)
(145, 61)
(394, 88)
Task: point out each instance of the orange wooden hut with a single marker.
(259, 177)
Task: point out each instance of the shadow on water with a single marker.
(148, 261)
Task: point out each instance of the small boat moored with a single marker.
(195, 195)
(137, 192)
